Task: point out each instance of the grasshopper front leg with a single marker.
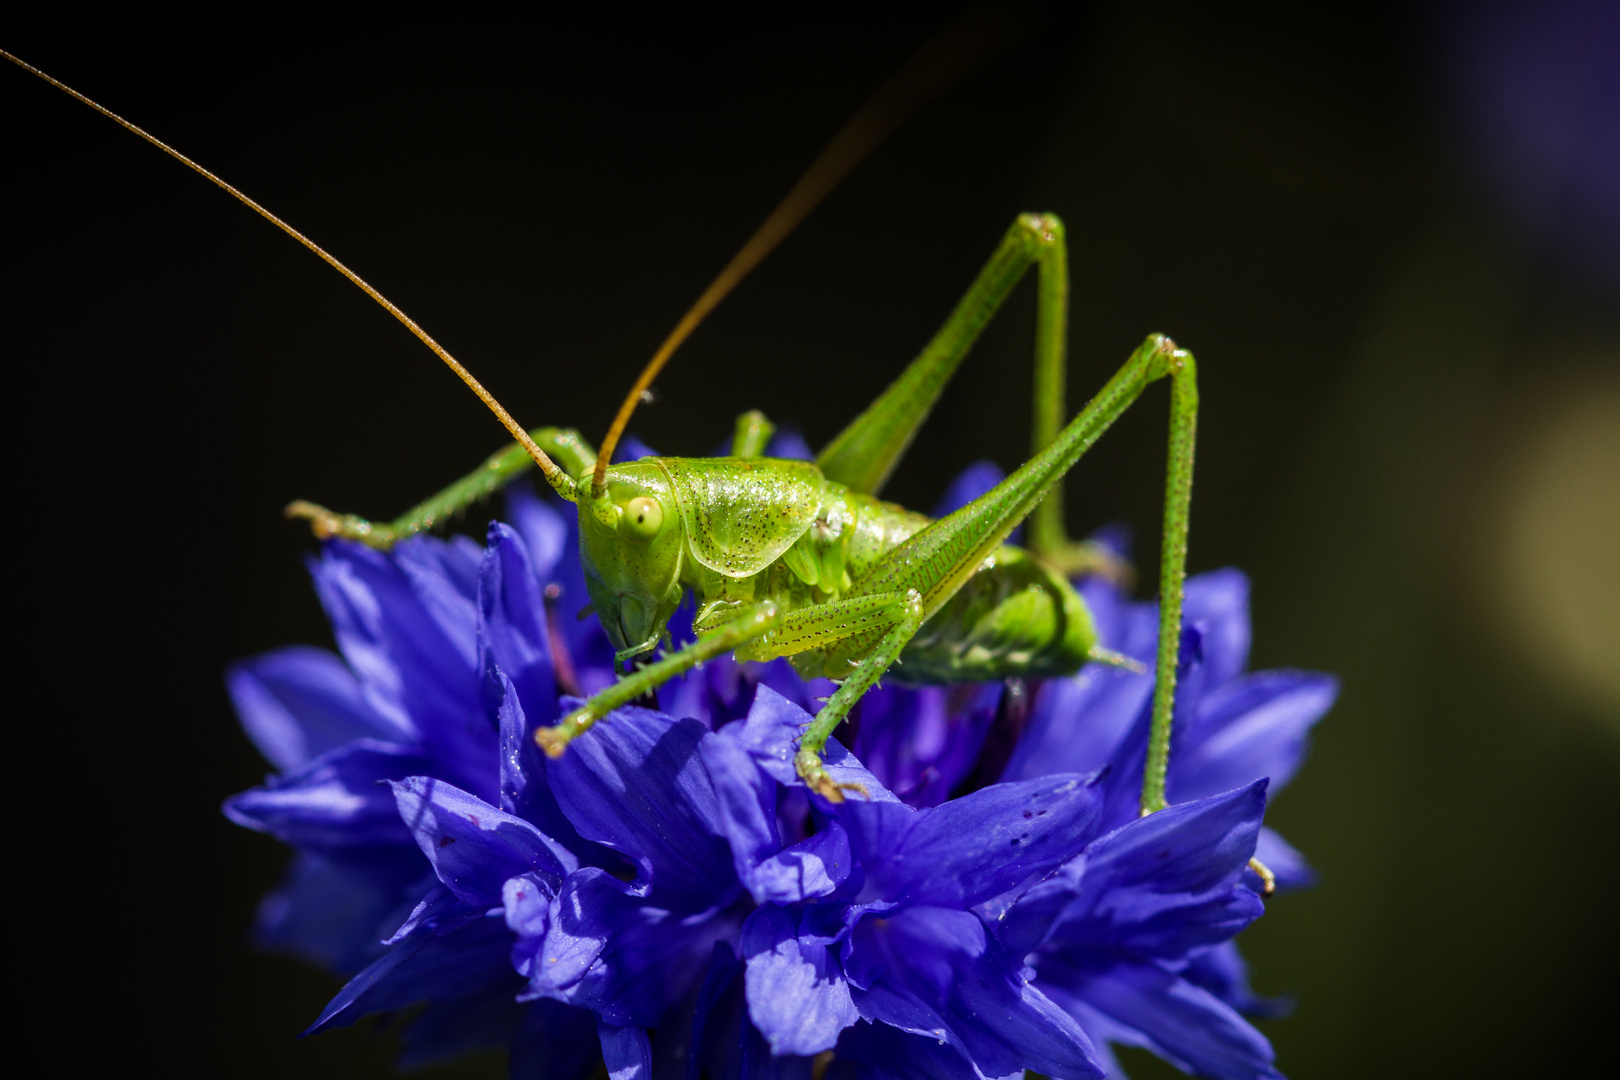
(876, 627)
(747, 625)
(500, 469)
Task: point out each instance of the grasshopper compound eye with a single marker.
(642, 518)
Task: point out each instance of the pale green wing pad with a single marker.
(741, 514)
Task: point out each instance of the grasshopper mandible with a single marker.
(803, 560)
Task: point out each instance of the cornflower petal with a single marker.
(1223, 972)
(635, 783)
(626, 1052)
(1217, 603)
(297, 703)
(1109, 699)
(1284, 862)
(405, 621)
(525, 791)
(512, 633)
(815, 866)
(473, 846)
(770, 733)
(797, 995)
(461, 956)
(935, 972)
(1164, 884)
(615, 953)
(1147, 1006)
(334, 802)
(1252, 726)
(330, 909)
(973, 848)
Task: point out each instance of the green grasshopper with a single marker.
(803, 560)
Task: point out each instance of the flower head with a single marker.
(669, 895)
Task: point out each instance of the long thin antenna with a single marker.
(966, 42)
(555, 476)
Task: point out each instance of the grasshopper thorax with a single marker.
(631, 542)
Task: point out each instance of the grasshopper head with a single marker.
(631, 539)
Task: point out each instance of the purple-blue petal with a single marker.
(789, 443)
(434, 909)
(1164, 884)
(512, 632)
(797, 995)
(1223, 972)
(967, 485)
(460, 956)
(814, 867)
(972, 848)
(1145, 1005)
(614, 952)
(332, 909)
(746, 801)
(636, 783)
(1249, 728)
(336, 801)
(922, 742)
(473, 846)
(626, 1052)
(935, 972)
(543, 528)
(1077, 723)
(1217, 603)
(770, 734)
(405, 622)
(527, 902)
(525, 791)
(297, 703)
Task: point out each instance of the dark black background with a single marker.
(1294, 199)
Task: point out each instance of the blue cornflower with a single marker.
(1134, 939)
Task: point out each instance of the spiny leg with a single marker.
(905, 614)
(502, 467)
(864, 454)
(746, 626)
(937, 560)
(876, 627)
(1172, 574)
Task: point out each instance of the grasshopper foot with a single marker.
(326, 524)
(554, 740)
(814, 773)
